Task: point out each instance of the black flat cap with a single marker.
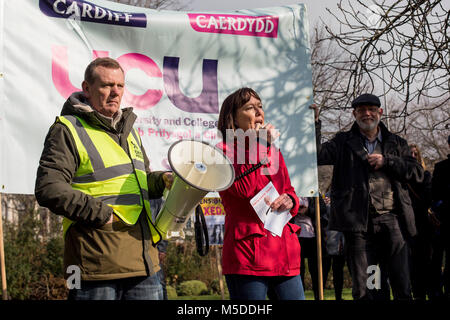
(366, 99)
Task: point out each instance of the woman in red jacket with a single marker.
(256, 260)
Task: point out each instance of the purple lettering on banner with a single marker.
(206, 102)
(87, 11)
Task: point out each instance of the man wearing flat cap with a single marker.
(370, 203)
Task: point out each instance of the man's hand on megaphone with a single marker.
(168, 179)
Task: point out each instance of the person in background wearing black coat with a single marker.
(441, 207)
(370, 202)
(306, 218)
(335, 258)
(421, 245)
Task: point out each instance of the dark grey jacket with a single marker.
(350, 182)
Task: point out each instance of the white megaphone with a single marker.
(198, 168)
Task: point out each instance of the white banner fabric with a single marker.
(179, 67)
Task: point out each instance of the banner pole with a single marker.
(2, 255)
(219, 269)
(319, 250)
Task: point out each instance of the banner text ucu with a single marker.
(206, 102)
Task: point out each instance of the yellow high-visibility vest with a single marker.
(108, 173)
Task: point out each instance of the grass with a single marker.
(327, 295)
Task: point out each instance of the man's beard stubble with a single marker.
(368, 126)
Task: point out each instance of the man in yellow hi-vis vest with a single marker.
(95, 173)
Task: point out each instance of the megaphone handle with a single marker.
(248, 171)
(165, 193)
(200, 225)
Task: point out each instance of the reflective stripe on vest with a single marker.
(108, 173)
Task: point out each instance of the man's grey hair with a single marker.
(89, 74)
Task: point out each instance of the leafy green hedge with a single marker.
(183, 263)
(192, 288)
(34, 265)
(171, 293)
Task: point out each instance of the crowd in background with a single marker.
(428, 249)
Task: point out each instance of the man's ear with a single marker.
(86, 88)
(381, 111)
(354, 112)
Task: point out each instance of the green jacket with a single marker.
(102, 251)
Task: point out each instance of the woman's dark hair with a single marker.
(229, 107)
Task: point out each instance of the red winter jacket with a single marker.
(248, 248)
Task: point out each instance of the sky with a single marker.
(316, 8)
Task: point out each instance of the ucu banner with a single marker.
(179, 68)
(87, 11)
(206, 102)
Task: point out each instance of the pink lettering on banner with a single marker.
(61, 80)
(152, 96)
(261, 26)
(60, 74)
(206, 102)
(99, 54)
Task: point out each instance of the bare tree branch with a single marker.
(398, 50)
(156, 4)
(409, 41)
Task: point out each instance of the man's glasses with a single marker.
(363, 109)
